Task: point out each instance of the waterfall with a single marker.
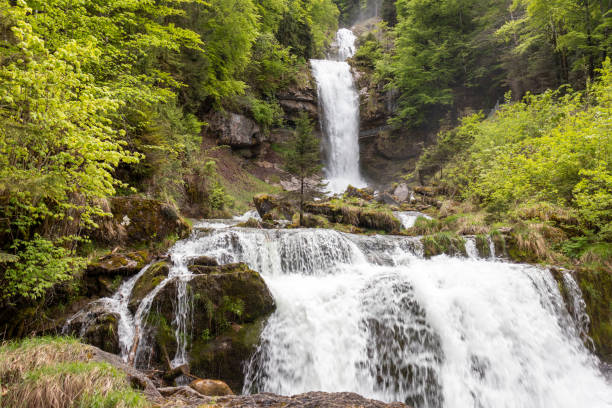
(371, 315)
(339, 105)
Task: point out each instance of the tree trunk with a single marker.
(587, 12)
(301, 200)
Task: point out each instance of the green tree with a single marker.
(303, 157)
(58, 151)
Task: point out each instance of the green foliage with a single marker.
(577, 31)
(267, 114)
(303, 156)
(554, 150)
(437, 48)
(41, 265)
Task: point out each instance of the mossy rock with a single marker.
(273, 207)
(378, 219)
(104, 333)
(443, 243)
(222, 299)
(96, 326)
(482, 246)
(122, 263)
(224, 356)
(147, 282)
(138, 220)
(596, 285)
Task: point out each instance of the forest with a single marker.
(508, 104)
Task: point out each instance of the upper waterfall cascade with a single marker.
(370, 314)
(339, 105)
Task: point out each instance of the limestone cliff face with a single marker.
(385, 152)
(242, 133)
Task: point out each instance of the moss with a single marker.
(595, 282)
(357, 213)
(219, 357)
(482, 245)
(443, 243)
(147, 282)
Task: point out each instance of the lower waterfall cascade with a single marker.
(371, 315)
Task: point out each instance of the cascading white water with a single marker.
(339, 104)
(409, 218)
(370, 315)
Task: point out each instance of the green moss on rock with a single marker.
(443, 243)
(147, 282)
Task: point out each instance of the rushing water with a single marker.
(370, 314)
(339, 105)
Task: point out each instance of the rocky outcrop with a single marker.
(363, 217)
(234, 130)
(272, 207)
(148, 281)
(103, 276)
(127, 263)
(307, 400)
(229, 305)
(137, 220)
(97, 326)
(296, 99)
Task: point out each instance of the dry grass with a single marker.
(56, 373)
(535, 238)
(30, 354)
(547, 212)
(461, 224)
(452, 207)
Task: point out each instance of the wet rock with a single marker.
(203, 261)
(363, 193)
(211, 388)
(229, 305)
(97, 326)
(272, 207)
(147, 282)
(234, 130)
(307, 400)
(124, 264)
(374, 219)
(386, 198)
(138, 220)
(402, 192)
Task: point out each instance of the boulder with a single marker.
(147, 282)
(137, 220)
(363, 193)
(95, 325)
(386, 198)
(402, 192)
(234, 130)
(229, 305)
(124, 264)
(211, 388)
(373, 219)
(204, 261)
(272, 207)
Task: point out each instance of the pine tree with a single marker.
(303, 157)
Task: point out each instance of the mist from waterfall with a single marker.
(339, 106)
